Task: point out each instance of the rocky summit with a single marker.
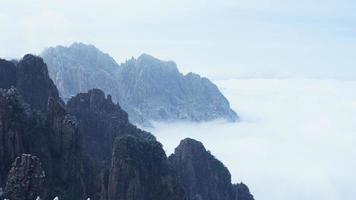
(87, 148)
(202, 176)
(147, 88)
(36, 123)
(101, 121)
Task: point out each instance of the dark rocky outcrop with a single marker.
(74, 163)
(30, 77)
(202, 176)
(14, 115)
(147, 88)
(88, 148)
(101, 121)
(52, 136)
(140, 171)
(242, 192)
(34, 83)
(26, 179)
(7, 74)
(39, 125)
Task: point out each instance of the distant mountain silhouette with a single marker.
(147, 88)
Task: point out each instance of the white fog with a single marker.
(295, 140)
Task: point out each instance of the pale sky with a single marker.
(218, 39)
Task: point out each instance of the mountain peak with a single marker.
(81, 67)
(191, 144)
(202, 175)
(146, 56)
(80, 45)
(148, 88)
(77, 48)
(146, 61)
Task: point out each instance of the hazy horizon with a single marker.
(220, 40)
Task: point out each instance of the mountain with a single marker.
(80, 68)
(87, 148)
(102, 121)
(140, 171)
(147, 88)
(33, 121)
(202, 176)
(73, 141)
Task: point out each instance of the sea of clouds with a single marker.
(296, 139)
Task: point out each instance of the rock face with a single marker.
(242, 192)
(157, 91)
(7, 74)
(147, 88)
(202, 176)
(80, 68)
(53, 137)
(34, 83)
(140, 171)
(30, 77)
(41, 128)
(88, 148)
(26, 179)
(101, 121)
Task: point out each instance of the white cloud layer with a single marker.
(296, 139)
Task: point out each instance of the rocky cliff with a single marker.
(202, 176)
(36, 123)
(7, 74)
(88, 148)
(101, 121)
(242, 192)
(140, 171)
(147, 88)
(156, 90)
(73, 142)
(80, 68)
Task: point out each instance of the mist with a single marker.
(295, 140)
(217, 39)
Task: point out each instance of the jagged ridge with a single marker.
(39, 133)
(147, 88)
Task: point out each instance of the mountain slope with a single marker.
(140, 171)
(147, 88)
(33, 121)
(86, 148)
(80, 68)
(157, 91)
(202, 176)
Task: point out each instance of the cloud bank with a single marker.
(296, 139)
